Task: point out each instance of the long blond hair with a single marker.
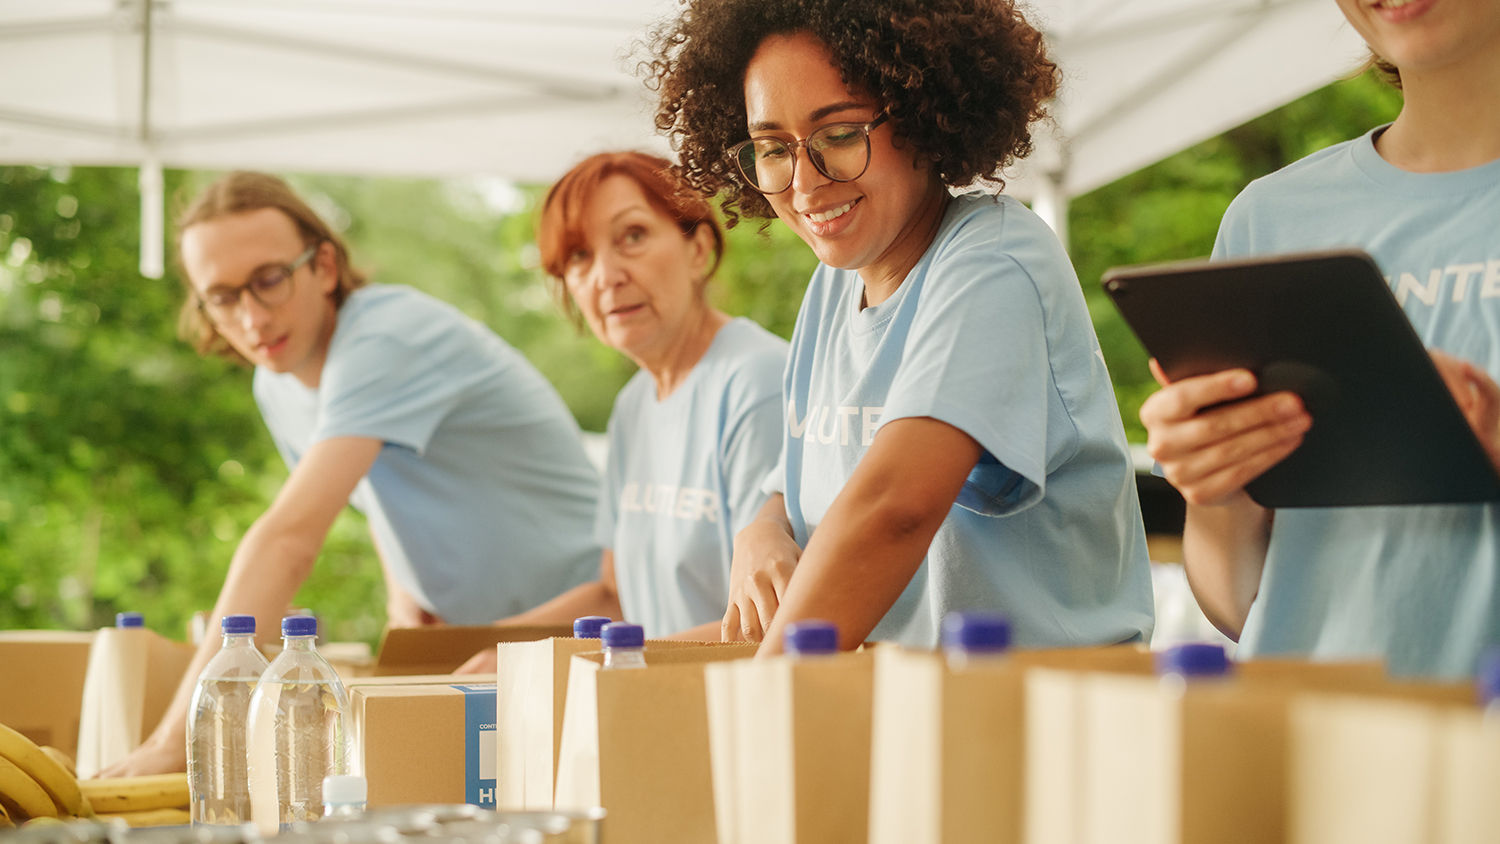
(237, 193)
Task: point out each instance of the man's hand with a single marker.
(154, 756)
(1209, 455)
(765, 555)
(1478, 397)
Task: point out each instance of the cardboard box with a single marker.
(1414, 764)
(635, 743)
(425, 743)
(442, 648)
(791, 749)
(41, 684)
(132, 675)
(532, 688)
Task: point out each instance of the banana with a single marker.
(5, 819)
(151, 817)
(62, 759)
(61, 786)
(21, 796)
(136, 794)
(44, 822)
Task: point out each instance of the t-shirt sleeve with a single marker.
(379, 386)
(751, 456)
(977, 358)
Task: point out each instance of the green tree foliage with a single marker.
(130, 467)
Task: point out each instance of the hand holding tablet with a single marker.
(1346, 407)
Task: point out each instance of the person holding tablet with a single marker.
(1419, 585)
(463, 458)
(695, 431)
(952, 437)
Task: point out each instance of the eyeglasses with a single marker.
(840, 151)
(271, 287)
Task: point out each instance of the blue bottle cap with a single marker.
(238, 625)
(589, 626)
(623, 634)
(1194, 659)
(1489, 677)
(813, 636)
(979, 632)
(299, 625)
(129, 619)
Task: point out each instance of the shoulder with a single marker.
(1321, 177)
(748, 361)
(394, 310)
(994, 237)
(404, 327)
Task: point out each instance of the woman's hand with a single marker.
(1478, 397)
(484, 662)
(765, 555)
(1209, 455)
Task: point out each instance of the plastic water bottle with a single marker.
(344, 796)
(1191, 662)
(298, 730)
(129, 619)
(811, 638)
(217, 724)
(624, 645)
(589, 626)
(973, 638)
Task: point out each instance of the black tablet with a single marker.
(1326, 326)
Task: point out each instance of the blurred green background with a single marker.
(130, 467)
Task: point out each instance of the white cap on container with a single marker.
(344, 790)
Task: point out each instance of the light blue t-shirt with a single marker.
(1417, 585)
(684, 477)
(482, 498)
(990, 334)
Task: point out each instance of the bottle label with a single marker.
(479, 744)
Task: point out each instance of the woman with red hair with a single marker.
(630, 252)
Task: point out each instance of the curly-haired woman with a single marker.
(953, 441)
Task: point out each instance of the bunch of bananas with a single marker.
(38, 786)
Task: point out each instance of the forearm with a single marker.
(710, 632)
(864, 553)
(1224, 553)
(267, 569)
(592, 598)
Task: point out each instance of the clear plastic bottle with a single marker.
(299, 730)
(588, 627)
(1191, 662)
(972, 637)
(217, 725)
(624, 645)
(810, 638)
(344, 796)
(129, 619)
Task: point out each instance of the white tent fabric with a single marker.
(522, 89)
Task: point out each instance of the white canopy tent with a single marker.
(523, 89)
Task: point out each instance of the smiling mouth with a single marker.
(273, 346)
(835, 213)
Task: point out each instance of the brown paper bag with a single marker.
(635, 742)
(532, 683)
(1468, 796)
(131, 677)
(41, 694)
(1201, 762)
(1370, 769)
(791, 740)
(442, 648)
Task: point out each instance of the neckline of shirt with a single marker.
(868, 319)
(692, 373)
(1377, 169)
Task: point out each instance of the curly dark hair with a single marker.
(963, 80)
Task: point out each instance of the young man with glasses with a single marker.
(463, 458)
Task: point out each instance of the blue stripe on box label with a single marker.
(479, 744)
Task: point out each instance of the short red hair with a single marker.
(559, 227)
